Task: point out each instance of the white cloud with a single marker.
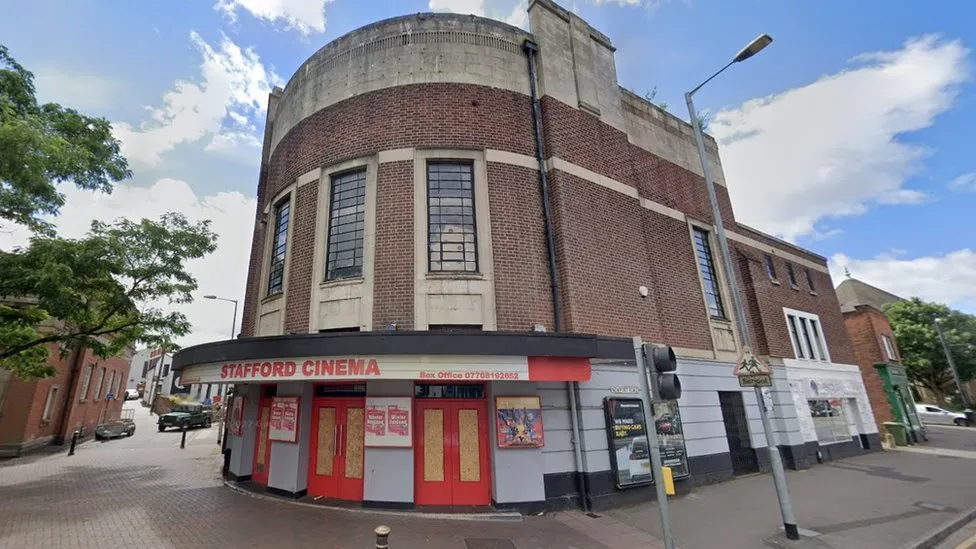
(304, 16)
(79, 90)
(831, 148)
(516, 14)
(233, 82)
(223, 273)
(943, 278)
(965, 182)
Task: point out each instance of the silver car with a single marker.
(933, 415)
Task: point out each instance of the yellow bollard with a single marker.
(668, 480)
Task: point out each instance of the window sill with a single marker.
(720, 320)
(774, 282)
(447, 275)
(45, 422)
(352, 281)
(273, 298)
(833, 442)
(82, 400)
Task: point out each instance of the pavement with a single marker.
(145, 491)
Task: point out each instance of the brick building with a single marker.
(404, 247)
(39, 412)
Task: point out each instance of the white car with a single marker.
(131, 394)
(933, 415)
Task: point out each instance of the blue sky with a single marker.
(844, 136)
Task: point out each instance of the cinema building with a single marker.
(424, 326)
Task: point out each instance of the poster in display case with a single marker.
(630, 458)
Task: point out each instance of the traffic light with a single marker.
(662, 364)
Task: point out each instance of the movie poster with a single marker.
(518, 421)
(283, 426)
(388, 422)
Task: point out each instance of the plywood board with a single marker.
(326, 442)
(263, 436)
(469, 445)
(354, 443)
(434, 445)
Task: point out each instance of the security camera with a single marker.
(643, 291)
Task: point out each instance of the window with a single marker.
(279, 243)
(809, 277)
(448, 391)
(98, 384)
(806, 336)
(454, 328)
(339, 330)
(452, 235)
(52, 396)
(791, 275)
(86, 382)
(706, 265)
(770, 267)
(347, 211)
(111, 384)
(889, 347)
(829, 421)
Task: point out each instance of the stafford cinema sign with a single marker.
(445, 368)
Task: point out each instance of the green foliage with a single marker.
(918, 341)
(649, 96)
(104, 290)
(43, 145)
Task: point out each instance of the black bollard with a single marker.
(183, 437)
(74, 441)
(382, 537)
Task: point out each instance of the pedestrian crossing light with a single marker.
(664, 382)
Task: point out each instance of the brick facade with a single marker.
(866, 325)
(607, 244)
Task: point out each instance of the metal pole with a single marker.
(382, 537)
(183, 437)
(952, 365)
(74, 441)
(775, 460)
(650, 427)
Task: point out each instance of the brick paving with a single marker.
(145, 492)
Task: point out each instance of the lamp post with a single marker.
(779, 475)
(220, 386)
(967, 404)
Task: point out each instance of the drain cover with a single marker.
(488, 543)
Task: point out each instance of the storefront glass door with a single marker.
(336, 460)
(451, 457)
(262, 446)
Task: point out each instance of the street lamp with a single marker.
(220, 386)
(779, 475)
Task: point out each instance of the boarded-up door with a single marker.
(336, 460)
(451, 458)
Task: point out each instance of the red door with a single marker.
(451, 461)
(262, 446)
(335, 467)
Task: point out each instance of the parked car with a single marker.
(185, 416)
(123, 426)
(933, 415)
(132, 394)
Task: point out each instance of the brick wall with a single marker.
(520, 254)
(393, 272)
(865, 326)
(301, 260)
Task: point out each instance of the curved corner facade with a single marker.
(398, 344)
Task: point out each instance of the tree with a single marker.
(43, 145)
(102, 292)
(925, 362)
(703, 118)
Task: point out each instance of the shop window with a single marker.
(347, 221)
(279, 243)
(86, 383)
(706, 266)
(806, 336)
(889, 347)
(448, 391)
(829, 421)
(452, 234)
(52, 397)
(771, 268)
(791, 276)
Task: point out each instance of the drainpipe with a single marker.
(530, 48)
(76, 365)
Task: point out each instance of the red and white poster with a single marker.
(375, 420)
(388, 422)
(283, 426)
(235, 424)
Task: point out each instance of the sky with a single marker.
(850, 135)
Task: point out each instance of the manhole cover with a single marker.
(492, 543)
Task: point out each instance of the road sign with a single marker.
(751, 371)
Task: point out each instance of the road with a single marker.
(144, 491)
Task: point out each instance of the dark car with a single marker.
(185, 416)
